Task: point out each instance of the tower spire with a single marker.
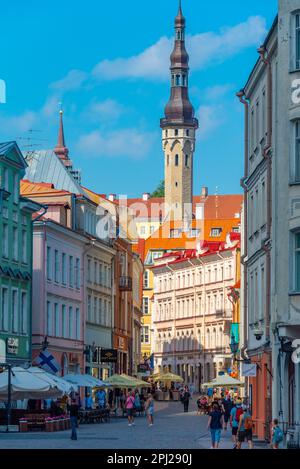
(61, 150)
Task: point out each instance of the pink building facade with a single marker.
(58, 299)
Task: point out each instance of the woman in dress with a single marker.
(149, 407)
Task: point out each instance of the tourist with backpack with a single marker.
(245, 429)
(277, 434)
(215, 425)
(235, 414)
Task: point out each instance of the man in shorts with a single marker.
(235, 413)
(245, 429)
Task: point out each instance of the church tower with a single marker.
(179, 131)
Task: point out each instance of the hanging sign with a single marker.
(249, 369)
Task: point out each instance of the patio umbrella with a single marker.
(84, 381)
(124, 381)
(165, 377)
(26, 385)
(61, 384)
(225, 380)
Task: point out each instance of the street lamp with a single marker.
(234, 346)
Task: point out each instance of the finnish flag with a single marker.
(47, 361)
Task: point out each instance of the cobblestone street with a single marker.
(172, 430)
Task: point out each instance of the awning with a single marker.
(223, 381)
(124, 381)
(26, 385)
(84, 381)
(61, 383)
(165, 377)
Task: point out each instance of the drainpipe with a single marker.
(267, 154)
(241, 96)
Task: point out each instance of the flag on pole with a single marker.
(47, 361)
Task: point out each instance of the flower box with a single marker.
(23, 425)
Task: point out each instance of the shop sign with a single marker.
(12, 345)
(109, 356)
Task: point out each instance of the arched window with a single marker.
(186, 160)
(208, 338)
(176, 160)
(177, 80)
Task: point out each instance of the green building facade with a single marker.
(15, 258)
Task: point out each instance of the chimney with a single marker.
(204, 191)
(146, 196)
(112, 197)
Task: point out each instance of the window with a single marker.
(56, 319)
(101, 315)
(297, 261)
(89, 307)
(24, 317)
(64, 269)
(95, 309)
(95, 271)
(16, 188)
(146, 279)
(5, 179)
(187, 132)
(24, 246)
(176, 160)
(176, 132)
(236, 229)
(77, 277)
(183, 80)
(63, 321)
(297, 151)
(49, 319)
(15, 244)
(71, 327)
(15, 315)
(101, 274)
(152, 229)
(105, 276)
(71, 271)
(145, 305)
(143, 230)
(216, 232)
(168, 160)
(4, 310)
(177, 80)
(297, 41)
(89, 270)
(5, 240)
(186, 160)
(49, 263)
(77, 323)
(145, 339)
(56, 266)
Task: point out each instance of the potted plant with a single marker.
(49, 424)
(23, 425)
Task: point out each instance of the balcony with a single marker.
(125, 283)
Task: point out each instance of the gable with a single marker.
(11, 153)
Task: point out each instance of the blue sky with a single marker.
(108, 62)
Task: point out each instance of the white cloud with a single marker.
(72, 81)
(13, 125)
(205, 49)
(119, 143)
(210, 117)
(217, 92)
(103, 111)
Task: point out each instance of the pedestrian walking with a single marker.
(245, 429)
(137, 402)
(149, 407)
(73, 409)
(129, 406)
(277, 434)
(235, 414)
(110, 398)
(186, 399)
(215, 425)
(227, 405)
